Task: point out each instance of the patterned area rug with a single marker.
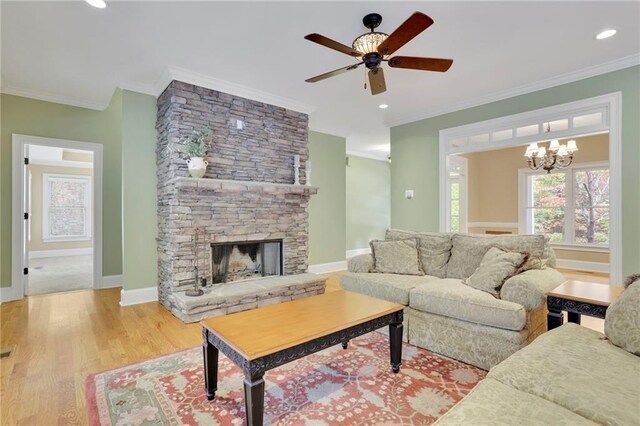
(335, 386)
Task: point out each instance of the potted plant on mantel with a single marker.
(196, 147)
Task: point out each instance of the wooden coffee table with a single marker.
(579, 298)
(264, 338)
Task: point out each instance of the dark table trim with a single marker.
(574, 308)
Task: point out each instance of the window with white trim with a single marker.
(66, 207)
(570, 205)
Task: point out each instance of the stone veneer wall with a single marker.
(263, 151)
(247, 193)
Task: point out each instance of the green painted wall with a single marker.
(368, 207)
(38, 118)
(327, 207)
(414, 149)
(139, 219)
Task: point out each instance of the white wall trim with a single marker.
(357, 252)
(56, 98)
(325, 268)
(382, 156)
(582, 265)
(505, 225)
(112, 281)
(63, 163)
(139, 295)
(40, 254)
(607, 67)
(19, 142)
(8, 294)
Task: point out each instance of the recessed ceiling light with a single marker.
(383, 106)
(606, 34)
(100, 4)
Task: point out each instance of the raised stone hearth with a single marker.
(232, 297)
(247, 195)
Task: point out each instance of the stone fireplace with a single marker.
(247, 201)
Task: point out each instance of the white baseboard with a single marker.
(38, 254)
(582, 265)
(111, 281)
(324, 268)
(140, 295)
(356, 252)
(8, 294)
(504, 225)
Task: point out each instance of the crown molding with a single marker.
(190, 77)
(592, 71)
(382, 156)
(55, 98)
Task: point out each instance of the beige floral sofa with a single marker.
(451, 318)
(568, 376)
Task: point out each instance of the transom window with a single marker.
(66, 207)
(570, 205)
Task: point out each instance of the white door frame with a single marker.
(479, 136)
(17, 225)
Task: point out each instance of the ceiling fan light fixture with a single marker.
(100, 4)
(369, 42)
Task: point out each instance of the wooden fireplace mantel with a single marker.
(222, 185)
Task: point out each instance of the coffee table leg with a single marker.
(395, 343)
(345, 345)
(254, 400)
(573, 317)
(554, 319)
(210, 355)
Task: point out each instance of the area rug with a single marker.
(336, 386)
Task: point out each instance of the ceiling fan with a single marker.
(374, 48)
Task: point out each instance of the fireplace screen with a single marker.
(244, 260)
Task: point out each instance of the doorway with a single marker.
(57, 220)
(593, 116)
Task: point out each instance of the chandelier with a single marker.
(557, 156)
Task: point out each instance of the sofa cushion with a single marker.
(435, 249)
(493, 403)
(467, 251)
(451, 298)
(622, 321)
(391, 287)
(360, 263)
(496, 267)
(396, 257)
(578, 369)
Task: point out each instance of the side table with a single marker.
(579, 298)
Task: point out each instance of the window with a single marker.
(569, 205)
(66, 207)
(457, 207)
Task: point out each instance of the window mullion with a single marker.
(569, 214)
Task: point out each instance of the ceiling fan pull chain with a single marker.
(365, 79)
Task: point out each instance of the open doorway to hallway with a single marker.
(60, 240)
(56, 215)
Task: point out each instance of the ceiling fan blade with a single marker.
(417, 23)
(332, 44)
(425, 64)
(332, 73)
(376, 81)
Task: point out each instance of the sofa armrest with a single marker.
(530, 287)
(361, 263)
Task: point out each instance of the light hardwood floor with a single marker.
(59, 339)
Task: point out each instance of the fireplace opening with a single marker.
(243, 260)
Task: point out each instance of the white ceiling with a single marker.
(74, 53)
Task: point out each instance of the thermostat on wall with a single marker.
(408, 194)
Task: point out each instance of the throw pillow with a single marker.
(435, 249)
(396, 257)
(496, 267)
(622, 320)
